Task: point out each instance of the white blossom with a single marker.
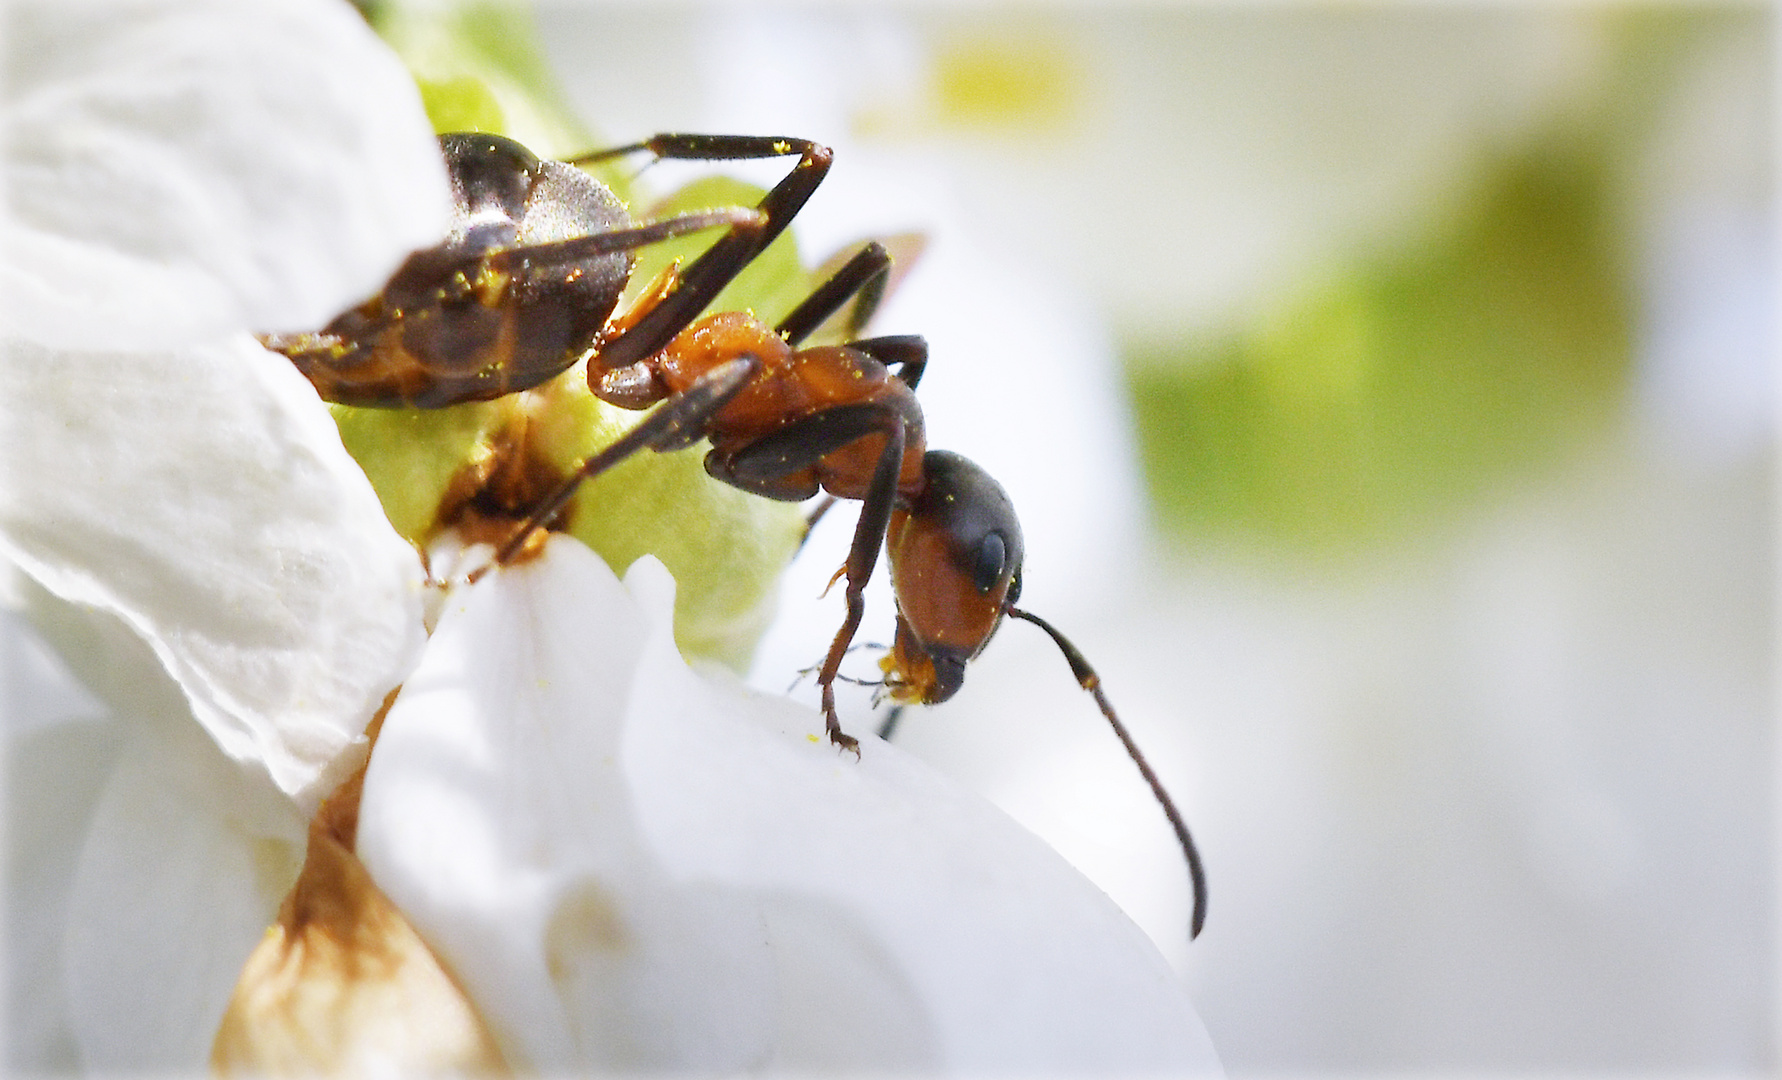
(623, 863)
(179, 174)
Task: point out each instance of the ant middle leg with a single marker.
(865, 275)
(908, 351)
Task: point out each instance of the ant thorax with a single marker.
(718, 338)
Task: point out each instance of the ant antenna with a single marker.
(1091, 682)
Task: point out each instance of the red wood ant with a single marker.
(526, 283)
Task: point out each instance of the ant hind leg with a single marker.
(701, 281)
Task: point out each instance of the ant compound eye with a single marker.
(991, 563)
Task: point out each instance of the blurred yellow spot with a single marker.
(1029, 81)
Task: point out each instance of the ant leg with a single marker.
(772, 465)
(908, 351)
(889, 726)
(679, 422)
(866, 274)
(707, 275)
(863, 556)
(580, 248)
(321, 354)
(762, 466)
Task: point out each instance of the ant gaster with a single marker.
(526, 283)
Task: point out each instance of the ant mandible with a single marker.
(526, 283)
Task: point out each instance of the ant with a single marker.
(526, 283)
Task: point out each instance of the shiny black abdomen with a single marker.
(486, 312)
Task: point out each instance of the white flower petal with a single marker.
(204, 497)
(182, 871)
(60, 752)
(175, 171)
(562, 808)
(496, 817)
(1019, 962)
(53, 777)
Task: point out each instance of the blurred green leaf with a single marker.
(480, 68)
(1403, 385)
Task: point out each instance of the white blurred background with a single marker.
(1485, 779)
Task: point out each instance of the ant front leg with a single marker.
(701, 282)
(677, 424)
(865, 274)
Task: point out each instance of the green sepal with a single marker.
(724, 548)
(411, 455)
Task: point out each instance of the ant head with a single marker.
(955, 556)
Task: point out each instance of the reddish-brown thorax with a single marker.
(793, 385)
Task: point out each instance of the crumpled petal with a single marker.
(178, 174)
(203, 496)
(632, 867)
(341, 985)
(176, 171)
